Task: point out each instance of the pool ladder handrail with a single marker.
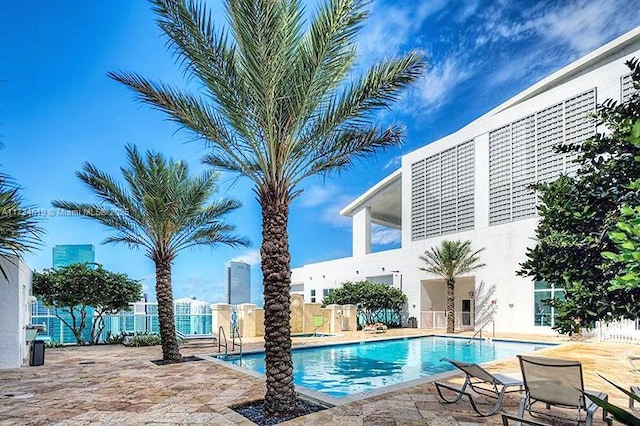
(234, 332)
(482, 328)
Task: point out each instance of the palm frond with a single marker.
(20, 231)
(451, 259)
(275, 105)
(160, 204)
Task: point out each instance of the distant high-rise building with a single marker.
(68, 254)
(64, 255)
(238, 282)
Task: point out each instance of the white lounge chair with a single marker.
(481, 382)
(558, 383)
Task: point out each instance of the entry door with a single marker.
(466, 310)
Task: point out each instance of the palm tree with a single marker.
(19, 230)
(450, 260)
(275, 107)
(163, 210)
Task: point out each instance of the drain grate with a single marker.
(18, 395)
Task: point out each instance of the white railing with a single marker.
(438, 319)
(622, 331)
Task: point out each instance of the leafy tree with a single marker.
(19, 230)
(450, 260)
(276, 107)
(627, 235)
(163, 210)
(74, 288)
(370, 299)
(577, 216)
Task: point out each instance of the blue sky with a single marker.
(58, 109)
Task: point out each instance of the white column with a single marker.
(362, 232)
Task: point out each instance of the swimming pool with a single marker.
(348, 369)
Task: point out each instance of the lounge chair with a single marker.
(481, 382)
(520, 421)
(375, 328)
(633, 360)
(636, 391)
(558, 383)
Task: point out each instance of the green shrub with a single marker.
(142, 339)
(115, 339)
(52, 344)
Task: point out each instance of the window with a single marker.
(327, 291)
(313, 296)
(544, 315)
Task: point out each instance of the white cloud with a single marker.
(584, 25)
(326, 201)
(394, 24)
(441, 79)
(330, 214)
(384, 236)
(317, 195)
(252, 257)
(394, 163)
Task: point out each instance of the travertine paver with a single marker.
(109, 385)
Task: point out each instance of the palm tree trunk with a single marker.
(164, 294)
(451, 306)
(281, 395)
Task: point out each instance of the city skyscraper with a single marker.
(238, 282)
(68, 254)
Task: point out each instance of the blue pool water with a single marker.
(342, 370)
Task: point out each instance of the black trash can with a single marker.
(36, 353)
(412, 322)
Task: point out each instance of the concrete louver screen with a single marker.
(626, 87)
(442, 192)
(521, 153)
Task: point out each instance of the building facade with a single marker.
(238, 282)
(57, 330)
(474, 185)
(14, 311)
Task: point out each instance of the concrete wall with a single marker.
(332, 319)
(14, 312)
(498, 291)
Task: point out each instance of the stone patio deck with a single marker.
(119, 385)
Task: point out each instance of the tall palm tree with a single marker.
(19, 230)
(163, 210)
(450, 260)
(276, 107)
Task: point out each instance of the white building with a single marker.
(473, 185)
(15, 314)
